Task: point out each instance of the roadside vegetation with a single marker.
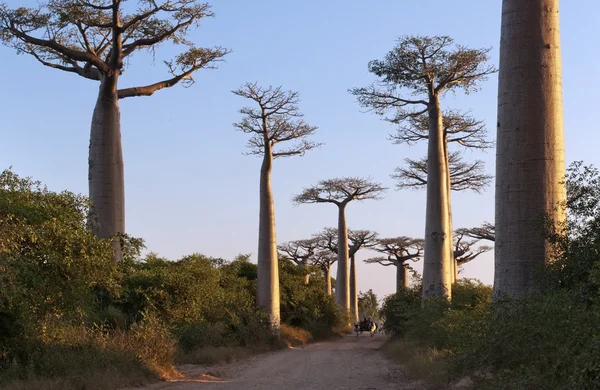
(72, 318)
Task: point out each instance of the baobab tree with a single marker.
(464, 250)
(324, 259)
(340, 192)
(94, 40)
(358, 239)
(274, 121)
(412, 79)
(399, 251)
(530, 154)
(460, 129)
(300, 252)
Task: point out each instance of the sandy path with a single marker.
(350, 363)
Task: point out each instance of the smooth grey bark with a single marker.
(452, 263)
(437, 278)
(530, 155)
(105, 167)
(267, 297)
(342, 284)
(353, 290)
(401, 277)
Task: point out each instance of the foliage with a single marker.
(67, 309)
(368, 305)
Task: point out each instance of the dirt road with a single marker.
(352, 363)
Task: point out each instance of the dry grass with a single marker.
(293, 337)
(94, 380)
(420, 362)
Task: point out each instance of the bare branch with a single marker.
(486, 231)
(459, 128)
(341, 191)
(463, 249)
(359, 239)
(187, 63)
(399, 249)
(299, 251)
(463, 175)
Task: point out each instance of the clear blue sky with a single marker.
(189, 188)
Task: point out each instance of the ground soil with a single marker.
(352, 363)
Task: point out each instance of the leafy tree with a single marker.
(399, 251)
(368, 304)
(276, 120)
(340, 192)
(412, 79)
(95, 39)
(51, 263)
(530, 159)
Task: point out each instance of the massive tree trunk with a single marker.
(454, 270)
(267, 296)
(342, 283)
(327, 277)
(401, 277)
(353, 290)
(105, 169)
(436, 261)
(530, 156)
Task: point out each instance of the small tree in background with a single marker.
(275, 120)
(324, 259)
(341, 191)
(358, 239)
(399, 251)
(95, 40)
(412, 79)
(300, 252)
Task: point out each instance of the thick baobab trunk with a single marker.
(401, 277)
(353, 290)
(436, 262)
(530, 155)
(105, 169)
(327, 277)
(267, 296)
(342, 283)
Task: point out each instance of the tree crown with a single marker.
(426, 66)
(341, 191)
(277, 119)
(94, 38)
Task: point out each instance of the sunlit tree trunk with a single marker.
(452, 263)
(530, 156)
(306, 272)
(353, 290)
(105, 169)
(401, 277)
(436, 260)
(327, 277)
(268, 271)
(342, 284)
